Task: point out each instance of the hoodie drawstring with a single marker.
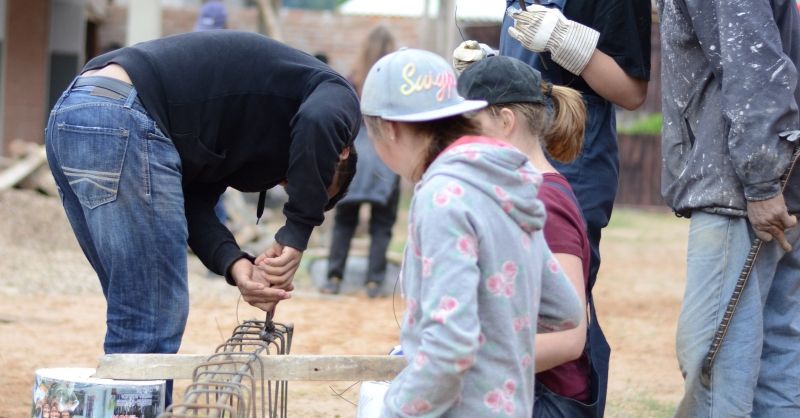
(260, 209)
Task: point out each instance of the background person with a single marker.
(212, 16)
(730, 101)
(374, 184)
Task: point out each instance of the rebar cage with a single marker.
(231, 384)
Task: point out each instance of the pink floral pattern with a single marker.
(530, 176)
(411, 242)
(526, 241)
(454, 189)
(451, 190)
(505, 200)
(553, 266)
(522, 322)
(502, 283)
(441, 199)
(526, 361)
(501, 399)
(493, 400)
(501, 193)
(509, 268)
(465, 363)
(411, 311)
(416, 407)
(420, 360)
(467, 246)
(470, 152)
(447, 305)
(495, 283)
(427, 267)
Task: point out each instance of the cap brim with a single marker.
(456, 109)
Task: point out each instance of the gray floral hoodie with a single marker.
(475, 269)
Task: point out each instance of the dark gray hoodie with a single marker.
(729, 90)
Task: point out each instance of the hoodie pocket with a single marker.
(199, 162)
(91, 158)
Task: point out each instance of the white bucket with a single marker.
(370, 399)
(74, 393)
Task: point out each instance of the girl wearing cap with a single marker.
(518, 113)
(476, 263)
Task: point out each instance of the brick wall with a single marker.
(25, 70)
(338, 36)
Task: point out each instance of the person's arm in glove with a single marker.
(469, 52)
(573, 46)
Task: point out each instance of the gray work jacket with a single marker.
(729, 82)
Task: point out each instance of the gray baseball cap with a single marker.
(412, 85)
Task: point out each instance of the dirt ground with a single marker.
(52, 311)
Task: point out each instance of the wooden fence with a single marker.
(640, 171)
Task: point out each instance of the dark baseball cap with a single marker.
(500, 80)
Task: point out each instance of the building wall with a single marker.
(338, 36)
(25, 70)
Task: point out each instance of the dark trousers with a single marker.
(381, 221)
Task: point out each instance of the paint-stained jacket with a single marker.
(729, 79)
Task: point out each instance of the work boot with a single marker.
(332, 286)
(373, 290)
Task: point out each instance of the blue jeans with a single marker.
(120, 182)
(757, 370)
(548, 404)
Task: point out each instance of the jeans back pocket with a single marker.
(91, 159)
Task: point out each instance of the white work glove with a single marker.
(469, 52)
(540, 29)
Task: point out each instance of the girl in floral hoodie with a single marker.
(478, 277)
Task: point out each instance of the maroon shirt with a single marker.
(565, 232)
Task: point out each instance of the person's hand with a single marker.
(278, 264)
(770, 218)
(541, 29)
(469, 52)
(255, 288)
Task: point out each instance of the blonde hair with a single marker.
(561, 134)
(379, 42)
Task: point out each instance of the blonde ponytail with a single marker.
(564, 137)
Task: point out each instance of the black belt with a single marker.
(105, 86)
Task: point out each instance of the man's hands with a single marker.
(278, 264)
(254, 286)
(269, 280)
(541, 29)
(469, 52)
(770, 218)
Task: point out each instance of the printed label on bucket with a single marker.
(73, 393)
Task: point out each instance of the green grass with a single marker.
(639, 406)
(625, 217)
(648, 125)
